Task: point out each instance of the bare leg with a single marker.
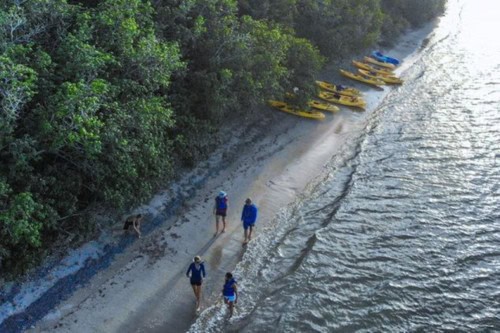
(246, 236)
(231, 306)
(198, 296)
(194, 289)
(223, 224)
(250, 233)
(216, 224)
(197, 291)
(137, 228)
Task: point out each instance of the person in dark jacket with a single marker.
(230, 292)
(197, 270)
(248, 217)
(220, 211)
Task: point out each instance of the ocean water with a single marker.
(401, 233)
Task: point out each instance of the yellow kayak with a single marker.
(285, 107)
(365, 66)
(386, 79)
(323, 106)
(379, 63)
(340, 99)
(347, 91)
(361, 78)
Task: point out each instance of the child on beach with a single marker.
(197, 270)
(220, 211)
(134, 221)
(230, 292)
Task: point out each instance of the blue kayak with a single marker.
(380, 57)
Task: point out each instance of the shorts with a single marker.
(230, 298)
(127, 225)
(221, 212)
(247, 225)
(196, 283)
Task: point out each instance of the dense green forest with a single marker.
(101, 100)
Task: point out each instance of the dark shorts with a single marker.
(247, 225)
(221, 212)
(196, 283)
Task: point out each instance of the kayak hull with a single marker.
(383, 58)
(365, 66)
(323, 106)
(361, 78)
(285, 107)
(387, 79)
(343, 100)
(379, 63)
(346, 91)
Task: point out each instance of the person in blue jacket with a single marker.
(230, 292)
(248, 217)
(197, 270)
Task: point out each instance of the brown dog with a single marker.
(134, 221)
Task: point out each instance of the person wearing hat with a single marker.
(248, 217)
(197, 270)
(220, 211)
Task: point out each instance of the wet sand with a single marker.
(145, 288)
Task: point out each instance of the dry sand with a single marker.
(145, 288)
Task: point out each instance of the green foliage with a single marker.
(262, 69)
(339, 27)
(306, 60)
(283, 12)
(87, 61)
(212, 46)
(21, 219)
(234, 62)
(401, 14)
(17, 86)
(422, 11)
(137, 150)
(18, 218)
(84, 117)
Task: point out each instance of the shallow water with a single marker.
(401, 231)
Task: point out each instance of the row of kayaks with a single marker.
(373, 71)
(376, 70)
(331, 93)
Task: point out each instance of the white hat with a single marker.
(222, 194)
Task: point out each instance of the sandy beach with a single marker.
(144, 287)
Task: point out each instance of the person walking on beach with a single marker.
(134, 221)
(197, 270)
(248, 217)
(230, 292)
(220, 211)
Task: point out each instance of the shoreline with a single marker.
(55, 280)
(139, 285)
